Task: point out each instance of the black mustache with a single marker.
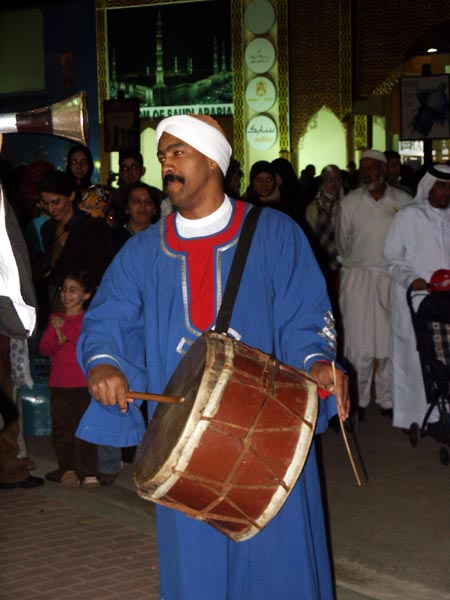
(171, 178)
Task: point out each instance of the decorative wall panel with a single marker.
(385, 32)
(319, 61)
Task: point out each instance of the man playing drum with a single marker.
(163, 290)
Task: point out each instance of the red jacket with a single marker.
(64, 369)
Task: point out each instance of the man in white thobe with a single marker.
(417, 245)
(362, 224)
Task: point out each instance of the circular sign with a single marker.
(260, 55)
(260, 94)
(259, 16)
(261, 132)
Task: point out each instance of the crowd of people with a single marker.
(72, 229)
(371, 249)
(347, 243)
(348, 215)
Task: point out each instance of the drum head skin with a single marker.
(169, 422)
(232, 452)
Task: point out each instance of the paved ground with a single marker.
(94, 543)
(390, 537)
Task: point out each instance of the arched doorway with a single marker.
(323, 143)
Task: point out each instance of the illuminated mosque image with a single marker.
(173, 77)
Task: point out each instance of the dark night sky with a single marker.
(188, 30)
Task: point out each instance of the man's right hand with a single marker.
(109, 386)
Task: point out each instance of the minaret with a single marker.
(215, 58)
(113, 85)
(159, 53)
(224, 58)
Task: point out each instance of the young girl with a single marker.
(80, 167)
(69, 396)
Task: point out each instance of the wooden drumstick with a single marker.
(344, 435)
(155, 397)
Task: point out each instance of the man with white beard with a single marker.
(362, 224)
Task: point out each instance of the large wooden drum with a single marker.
(232, 452)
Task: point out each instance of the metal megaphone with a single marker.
(67, 118)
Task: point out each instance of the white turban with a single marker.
(196, 131)
(375, 154)
(429, 179)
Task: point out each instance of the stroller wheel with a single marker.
(414, 434)
(444, 456)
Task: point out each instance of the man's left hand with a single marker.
(322, 373)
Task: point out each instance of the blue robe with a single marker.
(144, 316)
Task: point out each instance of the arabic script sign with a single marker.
(261, 132)
(260, 55)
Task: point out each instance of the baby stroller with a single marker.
(431, 322)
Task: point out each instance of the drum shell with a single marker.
(231, 454)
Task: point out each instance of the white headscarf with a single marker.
(208, 139)
(429, 179)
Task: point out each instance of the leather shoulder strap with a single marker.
(237, 269)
